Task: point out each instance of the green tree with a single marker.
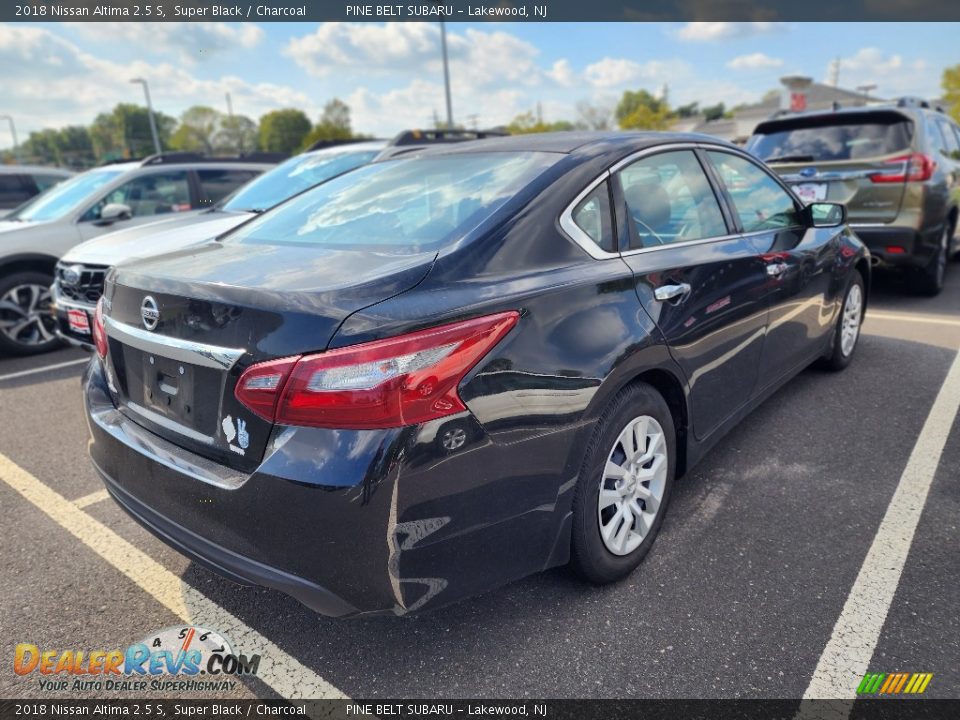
(714, 112)
(238, 133)
(283, 131)
(593, 117)
(528, 123)
(687, 111)
(334, 124)
(951, 91)
(124, 132)
(639, 110)
(70, 147)
(198, 130)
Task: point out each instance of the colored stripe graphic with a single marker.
(894, 683)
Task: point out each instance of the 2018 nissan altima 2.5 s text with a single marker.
(436, 374)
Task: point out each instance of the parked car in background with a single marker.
(895, 167)
(441, 372)
(81, 271)
(121, 195)
(19, 183)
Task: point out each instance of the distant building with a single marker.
(798, 93)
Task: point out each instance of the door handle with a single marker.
(669, 292)
(776, 269)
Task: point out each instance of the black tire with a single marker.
(590, 557)
(835, 359)
(929, 280)
(29, 340)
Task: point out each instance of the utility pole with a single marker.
(153, 122)
(13, 132)
(446, 74)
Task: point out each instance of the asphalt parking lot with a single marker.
(760, 551)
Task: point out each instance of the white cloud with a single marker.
(52, 83)
(619, 72)
(754, 61)
(476, 56)
(190, 41)
(704, 31)
(892, 74)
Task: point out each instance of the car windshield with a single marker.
(294, 176)
(833, 138)
(406, 205)
(65, 197)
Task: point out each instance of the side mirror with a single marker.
(826, 215)
(115, 211)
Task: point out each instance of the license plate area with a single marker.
(187, 395)
(78, 321)
(811, 192)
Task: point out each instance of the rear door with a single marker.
(842, 157)
(798, 263)
(702, 283)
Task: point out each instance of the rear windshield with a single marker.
(407, 205)
(831, 138)
(293, 176)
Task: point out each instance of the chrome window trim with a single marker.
(193, 353)
(587, 244)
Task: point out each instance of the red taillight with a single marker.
(896, 250)
(399, 381)
(99, 333)
(915, 167)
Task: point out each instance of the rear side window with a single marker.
(669, 199)
(403, 206)
(46, 181)
(592, 215)
(215, 185)
(825, 138)
(13, 191)
(761, 203)
(951, 148)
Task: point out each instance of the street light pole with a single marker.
(446, 74)
(13, 132)
(153, 122)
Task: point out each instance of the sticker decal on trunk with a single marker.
(239, 433)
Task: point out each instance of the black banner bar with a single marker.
(874, 709)
(477, 10)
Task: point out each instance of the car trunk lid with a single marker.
(183, 327)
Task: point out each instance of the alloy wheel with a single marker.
(632, 486)
(850, 323)
(25, 315)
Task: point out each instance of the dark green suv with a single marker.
(896, 168)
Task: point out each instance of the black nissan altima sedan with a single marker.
(437, 374)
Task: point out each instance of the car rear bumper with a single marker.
(326, 519)
(895, 246)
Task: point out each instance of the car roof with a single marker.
(580, 142)
(14, 169)
(365, 146)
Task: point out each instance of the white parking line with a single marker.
(282, 672)
(91, 499)
(34, 371)
(851, 646)
(912, 318)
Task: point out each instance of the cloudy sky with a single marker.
(390, 75)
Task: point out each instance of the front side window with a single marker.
(402, 206)
(760, 201)
(951, 146)
(669, 200)
(66, 197)
(592, 215)
(150, 194)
